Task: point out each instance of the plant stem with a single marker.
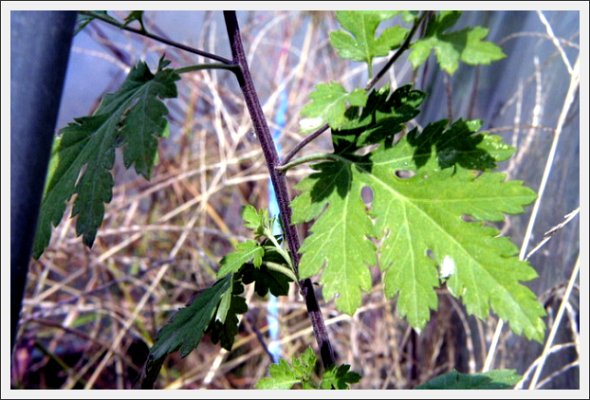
(279, 182)
(372, 82)
(405, 45)
(281, 269)
(161, 39)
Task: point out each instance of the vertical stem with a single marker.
(278, 180)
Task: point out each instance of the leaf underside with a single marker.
(432, 196)
(496, 379)
(133, 117)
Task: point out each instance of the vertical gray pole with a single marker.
(39, 50)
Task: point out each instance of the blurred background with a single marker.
(90, 315)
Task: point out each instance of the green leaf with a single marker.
(466, 45)
(359, 42)
(265, 278)
(257, 220)
(284, 375)
(339, 378)
(224, 327)
(245, 252)
(134, 16)
(419, 223)
(82, 157)
(495, 379)
(185, 330)
(383, 116)
(328, 104)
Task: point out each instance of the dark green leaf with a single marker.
(187, 326)
(134, 16)
(267, 279)
(379, 120)
(339, 378)
(83, 155)
(224, 327)
(496, 379)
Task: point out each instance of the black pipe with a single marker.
(39, 51)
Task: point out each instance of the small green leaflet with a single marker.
(417, 215)
(466, 45)
(284, 375)
(245, 252)
(495, 379)
(328, 104)
(358, 42)
(134, 16)
(133, 117)
(300, 372)
(339, 378)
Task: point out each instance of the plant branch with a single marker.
(201, 67)
(405, 45)
(302, 160)
(279, 182)
(304, 143)
(156, 37)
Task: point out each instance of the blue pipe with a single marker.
(273, 209)
(39, 51)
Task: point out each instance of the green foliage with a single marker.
(466, 45)
(134, 16)
(339, 378)
(419, 221)
(284, 375)
(495, 379)
(300, 373)
(132, 118)
(244, 252)
(187, 326)
(328, 104)
(224, 327)
(359, 42)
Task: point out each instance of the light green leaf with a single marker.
(358, 42)
(419, 221)
(83, 155)
(495, 379)
(245, 252)
(339, 378)
(466, 45)
(284, 375)
(328, 105)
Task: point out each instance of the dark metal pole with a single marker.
(39, 50)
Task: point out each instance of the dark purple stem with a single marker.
(278, 181)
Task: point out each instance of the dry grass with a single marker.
(90, 315)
